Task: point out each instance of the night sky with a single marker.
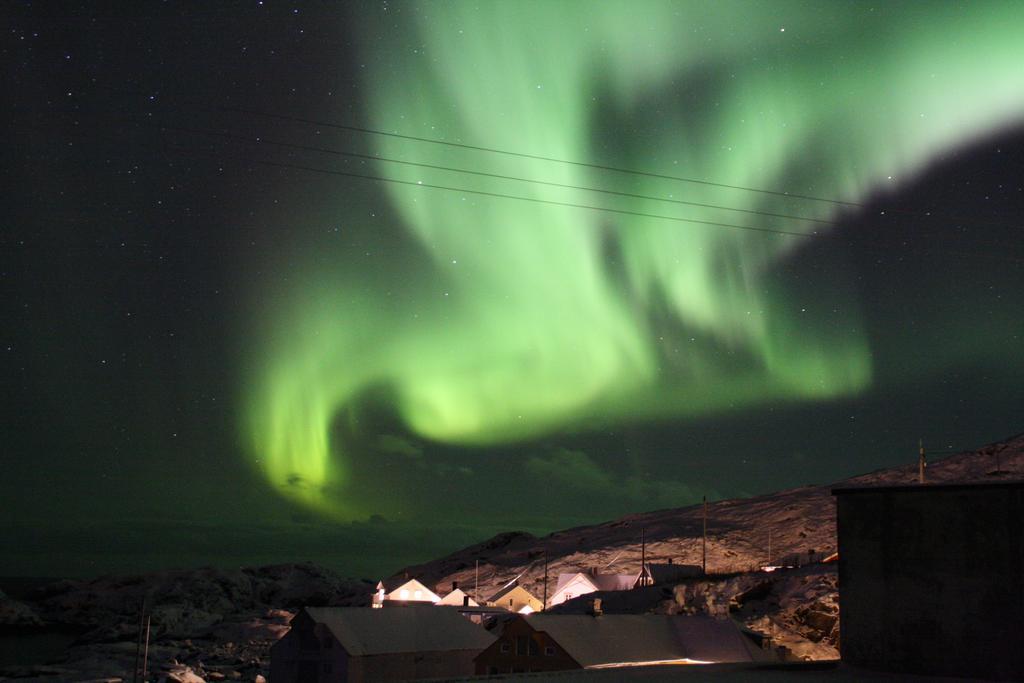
(227, 340)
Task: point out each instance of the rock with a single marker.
(186, 676)
(821, 621)
(14, 613)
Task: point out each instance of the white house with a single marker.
(574, 585)
(405, 591)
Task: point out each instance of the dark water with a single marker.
(22, 587)
(34, 647)
(30, 646)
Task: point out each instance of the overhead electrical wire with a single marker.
(371, 157)
(482, 148)
(759, 229)
(375, 131)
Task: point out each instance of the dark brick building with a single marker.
(931, 579)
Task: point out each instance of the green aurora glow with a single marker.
(520, 319)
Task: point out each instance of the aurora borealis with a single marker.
(220, 335)
(527, 318)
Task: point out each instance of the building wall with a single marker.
(518, 598)
(575, 588)
(413, 591)
(308, 653)
(931, 579)
(521, 649)
(411, 665)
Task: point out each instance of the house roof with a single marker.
(368, 631)
(392, 586)
(510, 588)
(663, 573)
(392, 583)
(456, 597)
(599, 582)
(613, 582)
(565, 579)
(630, 638)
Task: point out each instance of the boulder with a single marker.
(14, 613)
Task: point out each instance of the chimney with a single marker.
(465, 601)
(670, 560)
(594, 571)
(455, 586)
(595, 608)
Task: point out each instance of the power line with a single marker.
(349, 174)
(492, 150)
(501, 195)
(537, 157)
(374, 131)
(371, 157)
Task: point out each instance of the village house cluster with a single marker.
(411, 631)
(908, 560)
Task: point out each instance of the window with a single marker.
(505, 646)
(521, 645)
(534, 648)
(404, 594)
(328, 643)
(549, 651)
(328, 668)
(492, 671)
(416, 595)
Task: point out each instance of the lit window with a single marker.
(404, 594)
(416, 595)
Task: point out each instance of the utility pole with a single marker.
(138, 639)
(545, 608)
(643, 556)
(476, 584)
(769, 546)
(704, 543)
(922, 462)
(145, 653)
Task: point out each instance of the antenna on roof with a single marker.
(922, 462)
(704, 542)
(643, 556)
(545, 607)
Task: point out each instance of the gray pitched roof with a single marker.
(663, 573)
(368, 631)
(613, 582)
(602, 582)
(619, 638)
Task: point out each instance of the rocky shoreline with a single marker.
(205, 624)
